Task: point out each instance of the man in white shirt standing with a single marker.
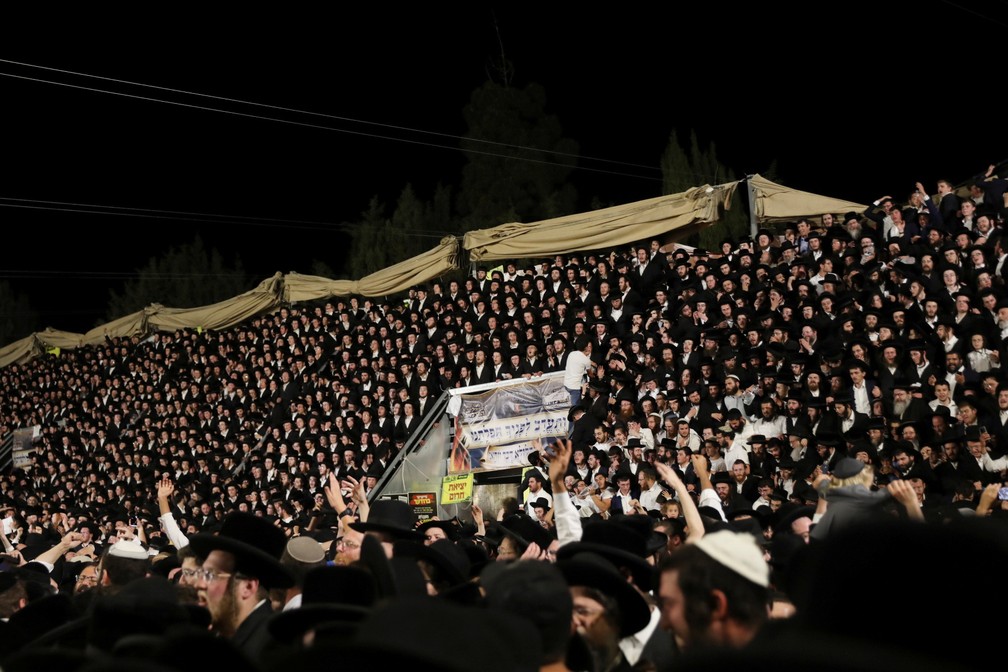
(578, 365)
(535, 492)
(650, 487)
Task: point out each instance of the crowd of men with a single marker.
(718, 397)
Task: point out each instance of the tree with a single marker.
(682, 170)
(518, 162)
(17, 317)
(415, 226)
(187, 276)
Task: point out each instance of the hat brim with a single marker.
(633, 608)
(395, 531)
(288, 626)
(642, 573)
(426, 553)
(249, 559)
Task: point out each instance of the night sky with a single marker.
(304, 118)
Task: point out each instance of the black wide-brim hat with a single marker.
(451, 527)
(445, 554)
(594, 571)
(392, 516)
(331, 594)
(256, 545)
(617, 543)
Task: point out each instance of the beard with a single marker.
(900, 406)
(224, 615)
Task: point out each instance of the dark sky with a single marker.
(852, 100)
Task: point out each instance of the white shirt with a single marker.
(632, 646)
(953, 409)
(738, 451)
(577, 367)
(532, 497)
(627, 498)
(769, 428)
(649, 498)
(862, 403)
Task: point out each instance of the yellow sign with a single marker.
(456, 488)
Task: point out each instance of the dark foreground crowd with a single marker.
(786, 450)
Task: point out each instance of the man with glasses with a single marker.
(348, 544)
(242, 563)
(87, 578)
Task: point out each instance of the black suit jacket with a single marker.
(583, 433)
(253, 637)
(648, 280)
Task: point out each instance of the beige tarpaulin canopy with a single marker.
(776, 203)
(395, 278)
(683, 213)
(675, 216)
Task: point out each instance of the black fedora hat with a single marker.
(594, 571)
(451, 527)
(256, 545)
(523, 530)
(619, 543)
(448, 558)
(392, 516)
(410, 632)
(338, 593)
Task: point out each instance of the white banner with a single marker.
(498, 425)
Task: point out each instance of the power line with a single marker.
(314, 114)
(210, 218)
(329, 128)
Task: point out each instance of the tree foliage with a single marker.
(696, 166)
(415, 226)
(17, 317)
(187, 276)
(518, 161)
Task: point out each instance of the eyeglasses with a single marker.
(208, 575)
(87, 579)
(347, 544)
(585, 612)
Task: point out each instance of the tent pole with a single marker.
(753, 226)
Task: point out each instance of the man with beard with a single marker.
(878, 439)
(957, 374)
(848, 420)
(920, 369)
(606, 607)
(741, 426)
(906, 406)
(242, 563)
(769, 423)
(794, 414)
(713, 592)
(1001, 318)
(735, 397)
(348, 544)
(999, 430)
(813, 387)
(889, 366)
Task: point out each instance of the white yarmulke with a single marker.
(128, 549)
(739, 552)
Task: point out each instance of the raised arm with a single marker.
(334, 494)
(565, 516)
(69, 541)
(903, 493)
(708, 495)
(694, 521)
(165, 490)
(987, 498)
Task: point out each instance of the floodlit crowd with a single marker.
(761, 436)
